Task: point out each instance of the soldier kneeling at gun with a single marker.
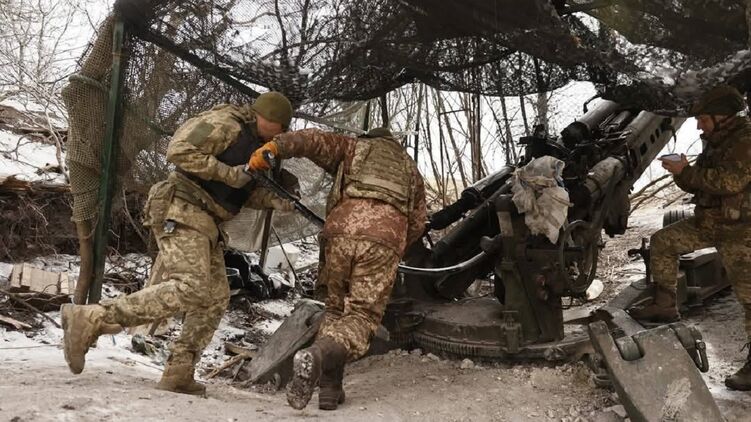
(720, 181)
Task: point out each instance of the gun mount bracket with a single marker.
(649, 365)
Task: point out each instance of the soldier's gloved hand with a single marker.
(258, 161)
(237, 177)
(280, 204)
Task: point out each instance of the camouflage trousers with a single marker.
(359, 276)
(194, 282)
(733, 243)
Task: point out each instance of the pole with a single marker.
(268, 216)
(109, 162)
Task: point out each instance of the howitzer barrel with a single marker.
(470, 198)
(583, 128)
(648, 133)
(490, 183)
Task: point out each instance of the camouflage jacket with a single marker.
(721, 177)
(364, 218)
(194, 148)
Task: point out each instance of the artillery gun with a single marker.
(605, 152)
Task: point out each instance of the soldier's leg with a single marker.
(336, 273)
(666, 246)
(370, 283)
(309, 363)
(735, 251)
(198, 329)
(360, 275)
(669, 243)
(185, 256)
(320, 291)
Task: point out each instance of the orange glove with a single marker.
(257, 161)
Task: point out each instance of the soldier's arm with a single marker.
(682, 184)
(325, 149)
(418, 215)
(730, 177)
(195, 144)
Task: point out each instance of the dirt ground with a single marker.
(389, 388)
(35, 384)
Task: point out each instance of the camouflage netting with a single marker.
(185, 56)
(349, 50)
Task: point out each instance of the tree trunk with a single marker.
(457, 152)
(384, 110)
(542, 96)
(476, 124)
(86, 249)
(437, 175)
(417, 121)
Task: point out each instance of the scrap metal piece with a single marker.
(274, 361)
(653, 376)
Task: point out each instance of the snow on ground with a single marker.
(280, 308)
(25, 159)
(39, 113)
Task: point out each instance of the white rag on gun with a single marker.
(538, 195)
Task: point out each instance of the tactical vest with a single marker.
(380, 170)
(733, 208)
(229, 198)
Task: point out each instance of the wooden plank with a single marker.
(42, 281)
(26, 277)
(15, 277)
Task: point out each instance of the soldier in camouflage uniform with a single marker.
(721, 184)
(376, 208)
(209, 186)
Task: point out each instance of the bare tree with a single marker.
(39, 43)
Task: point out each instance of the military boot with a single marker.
(331, 394)
(307, 367)
(82, 325)
(741, 380)
(663, 309)
(178, 375)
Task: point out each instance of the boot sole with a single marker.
(300, 389)
(66, 318)
(201, 392)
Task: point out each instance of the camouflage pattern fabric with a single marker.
(196, 284)
(355, 217)
(199, 140)
(359, 276)
(721, 176)
(733, 242)
(380, 169)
